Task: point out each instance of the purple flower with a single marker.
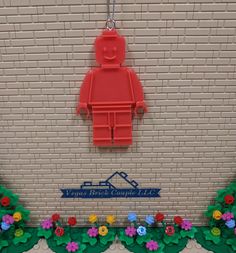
(152, 245)
(72, 246)
(227, 216)
(235, 231)
(130, 231)
(92, 232)
(46, 224)
(230, 223)
(8, 219)
(186, 225)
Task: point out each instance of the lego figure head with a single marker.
(110, 48)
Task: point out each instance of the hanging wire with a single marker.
(111, 23)
(111, 15)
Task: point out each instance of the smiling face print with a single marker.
(110, 53)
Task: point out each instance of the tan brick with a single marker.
(8, 11)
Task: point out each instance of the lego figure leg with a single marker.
(122, 132)
(102, 131)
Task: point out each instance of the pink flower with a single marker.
(46, 224)
(186, 225)
(8, 219)
(130, 231)
(152, 245)
(72, 246)
(227, 216)
(93, 232)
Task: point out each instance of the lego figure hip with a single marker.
(111, 93)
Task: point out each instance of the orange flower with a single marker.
(93, 218)
(102, 230)
(217, 215)
(111, 219)
(17, 216)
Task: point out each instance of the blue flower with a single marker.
(132, 217)
(5, 226)
(230, 223)
(141, 231)
(149, 219)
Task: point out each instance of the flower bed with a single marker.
(155, 234)
(220, 235)
(13, 218)
(61, 239)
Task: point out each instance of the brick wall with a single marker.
(185, 54)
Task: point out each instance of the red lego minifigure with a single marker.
(111, 93)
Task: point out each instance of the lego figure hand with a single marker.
(140, 108)
(83, 109)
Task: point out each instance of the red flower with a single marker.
(5, 201)
(55, 217)
(159, 217)
(229, 199)
(178, 220)
(59, 231)
(72, 221)
(170, 230)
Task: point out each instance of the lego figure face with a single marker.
(110, 48)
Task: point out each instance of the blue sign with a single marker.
(116, 186)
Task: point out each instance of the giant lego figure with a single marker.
(111, 93)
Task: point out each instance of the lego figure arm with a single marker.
(140, 106)
(82, 107)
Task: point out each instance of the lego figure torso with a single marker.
(115, 85)
(111, 93)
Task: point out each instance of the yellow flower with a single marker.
(17, 216)
(93, 218)
(217, 215)
(19, 232)
(111, 219)
(216, 231)
(102, 230)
